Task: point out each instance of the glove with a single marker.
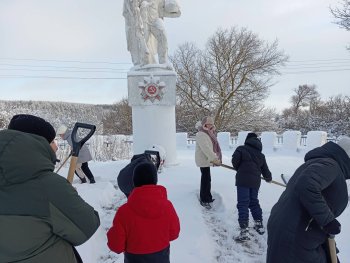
(216, 162)
(268, 180)
(333, 227)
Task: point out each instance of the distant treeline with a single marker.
(56, 112)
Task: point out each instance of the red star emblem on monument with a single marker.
(152, 88)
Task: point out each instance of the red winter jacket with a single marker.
(145, 224)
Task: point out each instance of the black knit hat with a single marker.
(145, 173)
(32, 124)
(251, 135)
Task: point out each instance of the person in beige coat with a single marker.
(208, 153)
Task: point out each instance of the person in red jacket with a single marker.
(144, 226)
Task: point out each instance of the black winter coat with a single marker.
(315, 195)
(250, 163)
(125, 176)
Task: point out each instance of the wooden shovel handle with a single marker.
(72, 166)
(274, 182)
(332, 249)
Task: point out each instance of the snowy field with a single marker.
(206, 235)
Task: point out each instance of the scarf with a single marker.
(214, 140)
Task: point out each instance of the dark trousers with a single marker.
(247, 199)
(162, 256)
(205, 194)
(86, 170)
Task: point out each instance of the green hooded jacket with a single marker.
(41, 214)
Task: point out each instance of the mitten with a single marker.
(216, 162)
(268, 180)
(333, 227)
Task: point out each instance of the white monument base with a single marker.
(152, 96)
(154, 126)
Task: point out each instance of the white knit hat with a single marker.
(344, 142)
(61, 130)
(207, 120)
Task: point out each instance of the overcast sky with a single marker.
(75, 50)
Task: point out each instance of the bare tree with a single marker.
(119, 119)
(297, 117)
(229, 79)
(332, 116)
(342, 14)
(304, 96)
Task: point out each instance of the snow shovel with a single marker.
(154, 157)
(274, 182)
(285, 178)
(77, 144)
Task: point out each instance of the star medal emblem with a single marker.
(152, 89)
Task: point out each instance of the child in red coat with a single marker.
(144, 226)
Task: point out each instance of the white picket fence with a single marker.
(102, 147)
(288, 141)
(116, 147)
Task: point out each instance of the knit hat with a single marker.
(61, 130)
(344, 142)
(32, 124)
(251, 135)
(207, 120)
(145, 173)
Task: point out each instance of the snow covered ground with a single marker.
(206, 235)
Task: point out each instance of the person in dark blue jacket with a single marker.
(250, 163)
(125, 176)
(125, 182)
(305, 215)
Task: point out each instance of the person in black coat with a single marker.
(125, 179)
(305, 214)
(125, 176)
(250, 163)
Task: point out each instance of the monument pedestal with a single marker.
(152, 96)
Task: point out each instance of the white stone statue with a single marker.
(135, 39)
(145, 32)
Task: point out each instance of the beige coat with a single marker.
(204, 150)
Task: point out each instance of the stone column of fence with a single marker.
(315, 139)
(181, 140)
(224, 140)
(242, 135)
(269, 141)
(291, 140)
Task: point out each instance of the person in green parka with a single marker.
(42, 217)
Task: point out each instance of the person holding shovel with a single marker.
(42, 217)
(305, 215)
(208, 153)
(82, 168)
(250, 164)
(125, 176)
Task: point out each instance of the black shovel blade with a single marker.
(154, 157)
(79, 142)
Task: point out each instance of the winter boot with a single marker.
(92, 180)
(205, 204)
(82, 180)
(243, 235)
(259, 227)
